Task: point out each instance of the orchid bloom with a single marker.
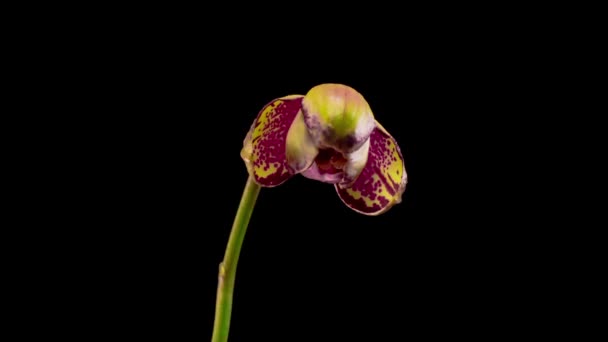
(329, 135)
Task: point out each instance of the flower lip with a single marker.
(327, 167)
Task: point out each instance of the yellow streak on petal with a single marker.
(394, 171)
(263, 120)
(356, 194)
(291, 97)
(272, 168)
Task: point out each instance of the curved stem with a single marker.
(225, 287)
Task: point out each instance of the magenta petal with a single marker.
(382, 181)
(264, 150)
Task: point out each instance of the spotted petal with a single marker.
(264, 149)
(382, 181)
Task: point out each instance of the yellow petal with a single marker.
(300, 148)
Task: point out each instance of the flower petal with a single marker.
(300, 148)
(355, 164)
(264, 150)
(382, 181)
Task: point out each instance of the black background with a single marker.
(169, 115)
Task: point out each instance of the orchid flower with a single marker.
(329, 135)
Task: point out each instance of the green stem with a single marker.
(225, 286)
